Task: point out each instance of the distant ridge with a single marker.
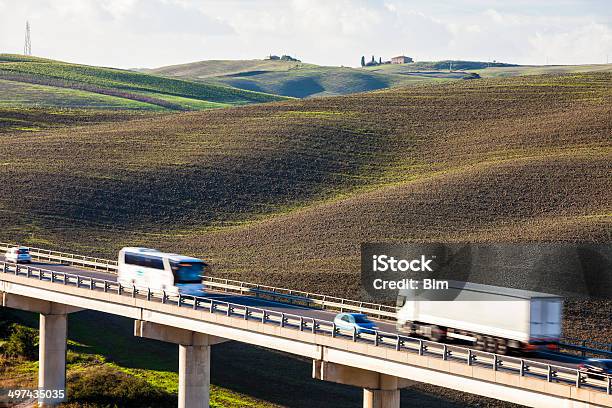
(296, 79)
(303, 80)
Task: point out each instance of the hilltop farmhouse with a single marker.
(401, 60)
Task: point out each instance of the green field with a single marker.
(301, 80)
(542, 69)
(25, 95)
(87, 86)
(297, 79)
(486, 70)
(215, 68)
(40, 94)
(444, 65)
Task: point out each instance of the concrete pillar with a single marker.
(379, 390)
(52, 357)
(194, 360)
(194, 376)
(381, 398)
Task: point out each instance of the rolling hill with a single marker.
(297, 79)
(283, 193)
(38, 93)
(84, 86)
(542, 69)
(444, 65)
(215, 68)
(485, 69)
(302, 80)
(292, 188)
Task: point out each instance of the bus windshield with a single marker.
(187, 272)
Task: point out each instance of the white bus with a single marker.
(150, 268)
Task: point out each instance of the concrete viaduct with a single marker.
(381, 364)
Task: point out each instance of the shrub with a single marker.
(22, 342)
(107, 386)
(73, 357)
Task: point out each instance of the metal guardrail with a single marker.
(64, 257)
(583, 347)
(521, 367)
(227, 285)
(291, 296)
(586, 347)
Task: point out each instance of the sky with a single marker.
(153, 33)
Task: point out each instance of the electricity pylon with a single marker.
(27, 46)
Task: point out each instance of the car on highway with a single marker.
(354, 322)
(597, 368)
(18, 255)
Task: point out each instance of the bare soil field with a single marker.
(492, 155)
(284, 193)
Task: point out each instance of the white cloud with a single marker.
(130, 33)
(580, 44)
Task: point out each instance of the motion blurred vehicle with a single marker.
(150, 268)
(18, 255)
(354, 321)
(494, 319)
(598, 368)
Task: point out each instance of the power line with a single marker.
(27, 46)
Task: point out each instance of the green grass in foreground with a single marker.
(97, 340)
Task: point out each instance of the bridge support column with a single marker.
(194, 360)
(379, 390)
(53, 327)
(52, 356)
(194, 376)
(381, 398)
(53, 331)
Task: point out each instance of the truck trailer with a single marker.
(491, 318)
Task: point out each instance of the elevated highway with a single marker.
(380, 363)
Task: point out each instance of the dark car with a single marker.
(596, 368)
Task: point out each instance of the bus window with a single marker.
(187, 272)
(145, 261)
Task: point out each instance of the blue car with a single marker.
(352, 321)
(597, 368)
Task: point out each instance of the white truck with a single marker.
(492, 318)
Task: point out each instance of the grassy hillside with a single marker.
(214, 68)
(296, 79)
(328, 81)
(542, 69)
(308, 180)
(31, 80)
(443, 65)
